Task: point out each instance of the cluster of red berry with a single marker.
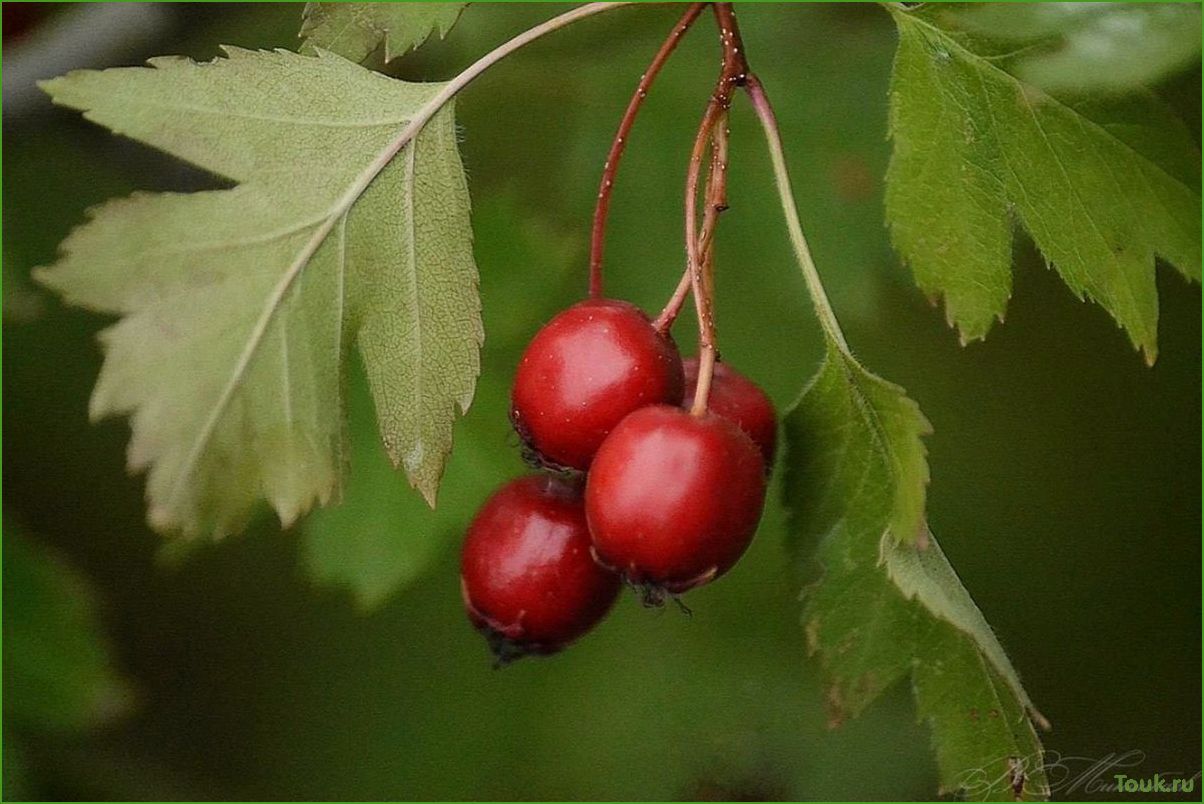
(638, 487)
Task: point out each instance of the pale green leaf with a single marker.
(240, 307)
(58, 671)
(1113, 47)
(1102, 186)
(355, 30)
(886, 609)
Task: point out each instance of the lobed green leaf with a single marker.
(239, 308)
(887, 605)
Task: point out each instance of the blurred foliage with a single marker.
(1076, 46)
(355, 30)
(57, 671)
(1065, 474)
(59, 675)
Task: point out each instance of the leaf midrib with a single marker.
(140, 101)
(341, 207)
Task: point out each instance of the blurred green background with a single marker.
(1066, 475)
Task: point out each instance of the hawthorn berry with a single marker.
(589, 367)
(672, 499)
(529, 582)
(736, 397)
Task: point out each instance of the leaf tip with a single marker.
(43, 275)
(48, 85)
(159, 519)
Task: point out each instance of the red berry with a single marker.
(589, 367)
(673, 499)
(529, 581)
(740, 400)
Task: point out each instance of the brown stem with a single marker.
(698, 244)
(703, 302)
(716, 200)
(716, 203)
(611, 167)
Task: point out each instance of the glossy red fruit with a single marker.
(589, 367)
(673, 499)
(529, 581)
(739, 399)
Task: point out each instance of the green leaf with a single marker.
(58, 672)
(887, 605)
(1078, 47)
(355, 30)
(870, 423)
(239, 307)
(1103, 186)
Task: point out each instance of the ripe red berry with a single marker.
(673, 499)
(740, 400)
(529, 581)
(583, 372)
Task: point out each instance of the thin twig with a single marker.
(664, 321)
(611, 167)
(731, 76)
(703, 303)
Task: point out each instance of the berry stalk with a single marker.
(611, 166)
(716, 195)
(700, 264)
(815, 287)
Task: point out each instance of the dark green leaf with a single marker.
(887, 609)
(1103, 187)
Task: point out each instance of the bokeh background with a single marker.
(1066, 474)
